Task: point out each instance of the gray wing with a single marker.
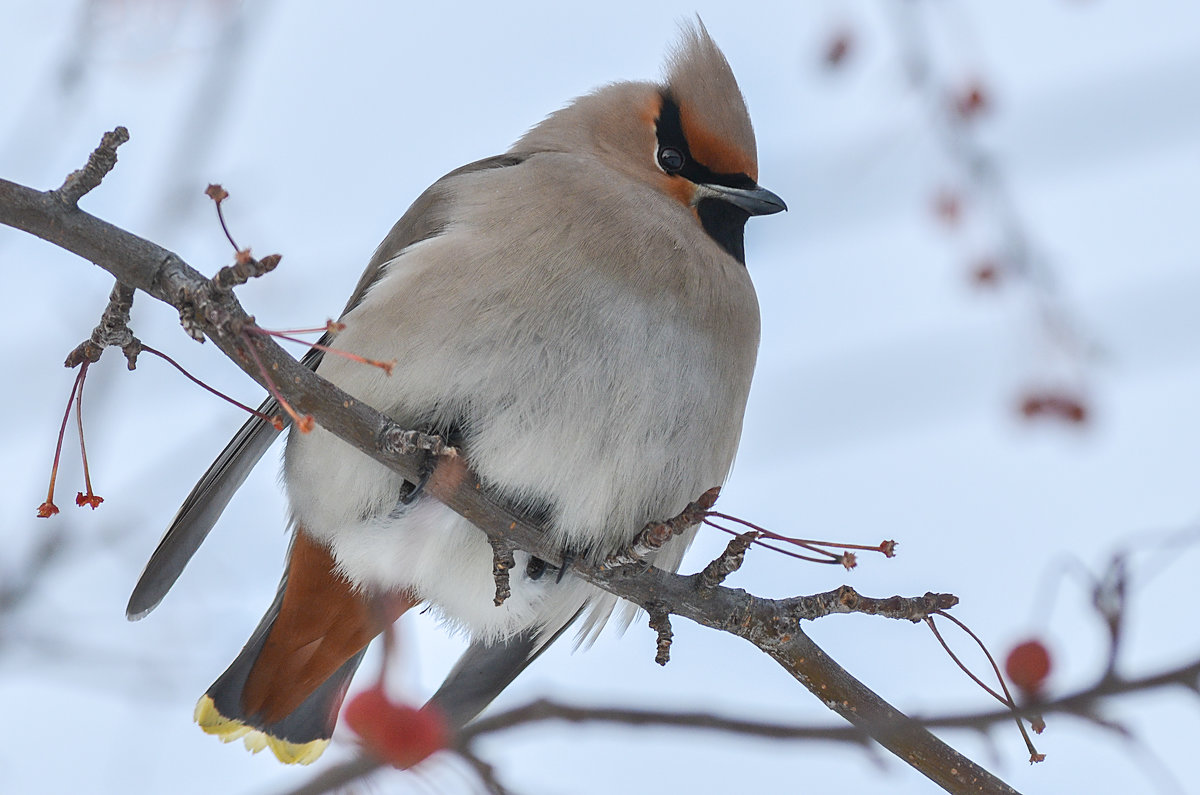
(205, 504)
(426, 218)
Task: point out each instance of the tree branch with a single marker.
(545, 710)
(1083, 704)
(209, 312)
(101, 161)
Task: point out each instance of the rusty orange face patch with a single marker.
(716, 153)
(679, 188)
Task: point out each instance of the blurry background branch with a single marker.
(978, 208)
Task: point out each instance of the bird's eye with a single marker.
(671, 159)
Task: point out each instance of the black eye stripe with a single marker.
(669, 129)
(724, 222)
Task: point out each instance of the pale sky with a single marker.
(884, 404)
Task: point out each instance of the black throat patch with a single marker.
(725, 223)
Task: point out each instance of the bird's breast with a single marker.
(598, 363)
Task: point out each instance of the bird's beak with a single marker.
(756, 200)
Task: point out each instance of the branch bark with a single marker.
(209, 312)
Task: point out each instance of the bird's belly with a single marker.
(427, 549)
(601, 430)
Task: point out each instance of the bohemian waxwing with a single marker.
(577, 317)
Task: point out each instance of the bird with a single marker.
(576, 317)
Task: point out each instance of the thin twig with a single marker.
(655, 534)
(845, 558)
(827, 557)
(336, 776)
(99, 163)
(89, 498)
(485, 772)
(274, 420)
(303, 424)
(660, 622)
(847, 600)
(218, 195)
(727, 562)
(502, 563)
(112, 331)
(48, 508)
(543, 710)
(244, 269)
(1006, 699)
(387, 367)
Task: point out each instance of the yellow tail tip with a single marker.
(229, 729)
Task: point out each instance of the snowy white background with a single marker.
(884, 404)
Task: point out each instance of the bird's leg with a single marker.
(538, 567)
(535, 568)
(428, 464)
(568, 557)
(432, 444)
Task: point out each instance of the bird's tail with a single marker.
(284, 690)
(300, 737)
(485, 669)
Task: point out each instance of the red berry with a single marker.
(396, 733)
(838, 48)
(986, 273)
(1032, 405)
(1028, 665)
(947, 206)
(972, 100)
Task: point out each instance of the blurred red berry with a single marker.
(1073, 410)
(838, 48)
(947, 206)
(972, 100)
(986, 273)
(1027, 666)
(1058, 405)
(396, 733)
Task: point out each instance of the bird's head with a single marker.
(689, 137)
